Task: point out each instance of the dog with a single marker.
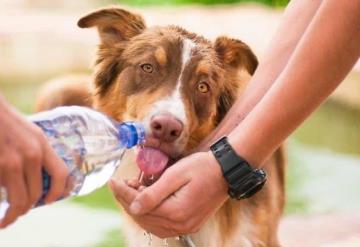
(179, 85)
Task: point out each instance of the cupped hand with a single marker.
(24, 152)
(179, 203)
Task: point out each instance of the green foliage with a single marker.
(274, 3)
(296, 202)
(20, 94)
(333, 126)
(102, 198)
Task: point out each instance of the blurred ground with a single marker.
(324, 230)
(324, 201)
(45, 227)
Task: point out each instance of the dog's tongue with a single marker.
(151, 161)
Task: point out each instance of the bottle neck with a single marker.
(131, 134)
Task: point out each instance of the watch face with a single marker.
(252, 184)
(252, 191)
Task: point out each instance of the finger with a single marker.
(167, 209)
(70, 184)
(17, 197)
(122, 192)
(159, 230)
(133, 183)
(155, 224)
(58, 172)
(148, 221)
(166, 229)
(141, 188)
(33, 176)
(152, 196)
(125, 195)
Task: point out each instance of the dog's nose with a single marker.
(166, 127)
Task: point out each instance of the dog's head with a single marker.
(179, 84)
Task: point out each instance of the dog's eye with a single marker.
(148, 68)
(203, 87)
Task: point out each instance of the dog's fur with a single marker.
(180, 61)
(65, 91)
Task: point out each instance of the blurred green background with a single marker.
(39, 40)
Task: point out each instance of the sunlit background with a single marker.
(39, 40)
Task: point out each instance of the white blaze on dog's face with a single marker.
(171, 108)
(174, 103)
(177, 83)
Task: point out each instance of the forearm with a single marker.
(325, 54)
(276, 57)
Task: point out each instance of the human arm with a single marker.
(294, 22)
(326, 52)
(324, 56)
(23, 153)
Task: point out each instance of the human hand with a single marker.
(24, 151)
(179, 203)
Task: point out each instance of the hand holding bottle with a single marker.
(24, 152)
(90, 144)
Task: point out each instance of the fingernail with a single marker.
(135, 207)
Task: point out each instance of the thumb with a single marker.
(151, 197)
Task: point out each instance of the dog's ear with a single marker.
(235, 56)
(114, 24)
(226, 100)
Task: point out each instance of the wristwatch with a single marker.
(242, 179)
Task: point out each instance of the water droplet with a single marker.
(150, 239)
(141, 177)
(149, 236)
(165, 242)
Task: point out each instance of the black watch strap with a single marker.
(243, 180)
(232, 165)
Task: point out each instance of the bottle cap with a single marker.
(131, 133)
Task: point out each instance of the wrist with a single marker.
(244, 147)
(219, 177)
(242, 179)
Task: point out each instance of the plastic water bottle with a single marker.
(90, 143)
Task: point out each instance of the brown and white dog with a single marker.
(180, 85)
